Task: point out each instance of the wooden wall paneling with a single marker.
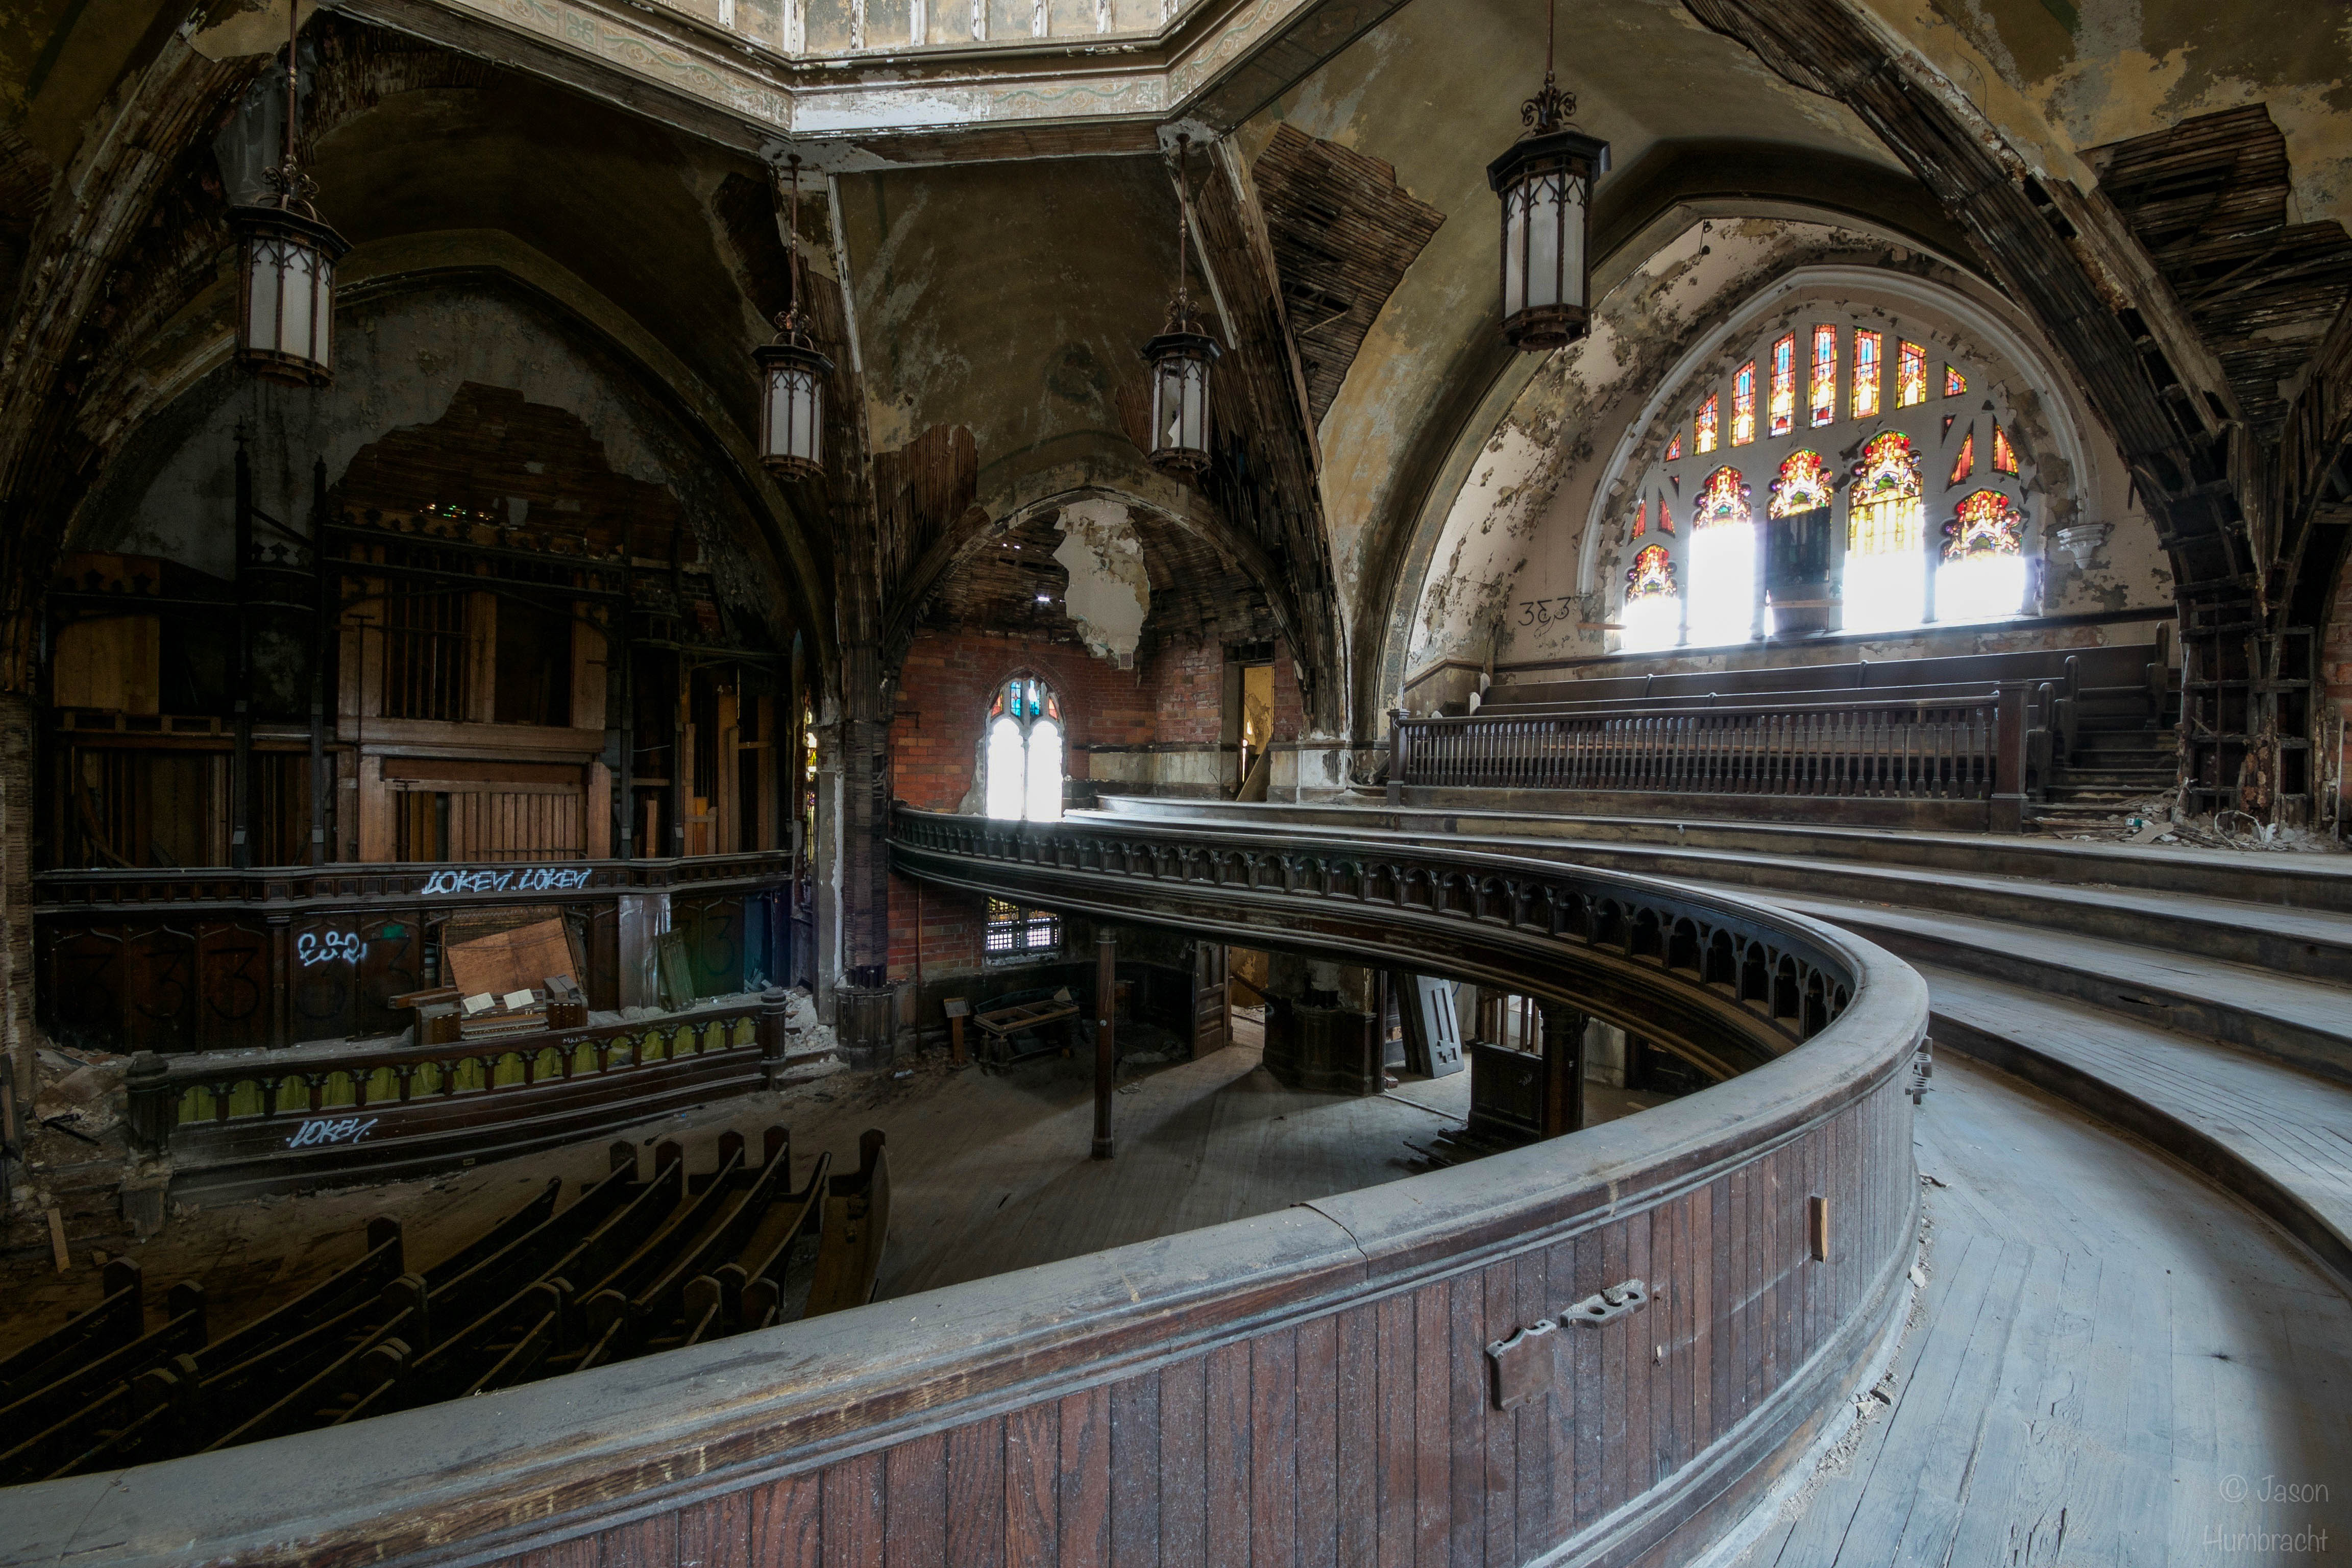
(596, 810)
(1587, 1460)
(726, 831)
(375, 811)
(1032, 1476)
(585, 1551)
(915, 1485)
(1538, 1464)
(602, 981)
(1467, 1411)
(1319, 1426)
(1394, 1466)
(1499, 1287)
(976, 1492)
(1773, 1231)
(853, 1509)
(1183, 1463)
(392, 963)
(588, 672)
(481, 659)
(1225, 1451)
(232, 987)
(1357, 1500)
(321, 992)
(1274, 1449)
(787, 1525)
(1641, 1367)
(1700, 1319)
(361, 677)
(649, 1542)
(1665, 1432)
(1085, 1484)
(1135, 1472)
(1723, 1352)
(1432, 1486)
(160, 989)
(1616, 1388)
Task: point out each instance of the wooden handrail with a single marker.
(1304, 1379)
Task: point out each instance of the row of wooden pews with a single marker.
(630, 1267)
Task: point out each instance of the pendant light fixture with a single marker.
(1546, 184)
(1180, 356)
(792, 374)
(286, 276)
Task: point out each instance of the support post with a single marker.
(1399, 755)
(2007, 806)
(1106, 1046)
(1563, 1055)
(321, 627)
(240, 768)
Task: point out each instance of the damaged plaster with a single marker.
(1109, 592)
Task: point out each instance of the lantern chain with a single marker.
(294, 187)
(790, 327)
(1549, 109)
(1179, 308)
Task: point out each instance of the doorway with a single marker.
(1246, 975)
(1249, 717)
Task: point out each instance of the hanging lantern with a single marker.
(1546, 185)
(1179, 358)
(792, 376)
(286, 275)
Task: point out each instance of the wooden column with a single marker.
(240, 772)
(1106, 1044)
(322, 628)
(2007, 808)
(1563, 1055)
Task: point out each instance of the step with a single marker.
(2278, 1138)
(2309, 883)
(2298, 1023)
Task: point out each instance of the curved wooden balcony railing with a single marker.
(1956, 760)
(1447, 1368)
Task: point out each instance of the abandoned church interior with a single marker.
(1175, 783)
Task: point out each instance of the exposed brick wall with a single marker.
(1176, 697)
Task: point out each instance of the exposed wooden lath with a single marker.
(920, 493)
(997, 143)
(1343, 234)
(2207, 198)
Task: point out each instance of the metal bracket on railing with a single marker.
(1608, 1305)
(1526, 1366)
(1923, 1068)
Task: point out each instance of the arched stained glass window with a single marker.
(1885, 544)
(1652, 614)
(1824, 398)
(1784, 384)
(1983, 572)
(1910, 376)
(1954, 381)
(1024, 758)
(1674, 448)
(1867, 352)
(1722, 561)
(1804, 484)
(1706, 425)
(1743, 404)
(1965, 464)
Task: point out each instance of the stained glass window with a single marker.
(1652, 618)
(1910, 376)
(1652, 573)
(1986, 523)
(1867, 348)
(1966, 463)
(1954, 381)
(1722, 561)
(1023, 755)
(1784, 384)
(1641, 517)
(1014, 931)
(1804, 485)
(1665, 516)
(1983, 574)
(2004, 455)
(1824, 399)
(1674, 448)
(1743, 404)
(1707, 427)
(1885, 553)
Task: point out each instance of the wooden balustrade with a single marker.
(236, 1124)
(1950, 761)
(1312, 1385)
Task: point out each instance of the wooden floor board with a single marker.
(2160, 1340)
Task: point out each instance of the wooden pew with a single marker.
(752, 1288)
(117, 1319)
(51, 1425)
(653, 1316)
(857, 1227)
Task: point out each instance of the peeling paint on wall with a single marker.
(1109, 592)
